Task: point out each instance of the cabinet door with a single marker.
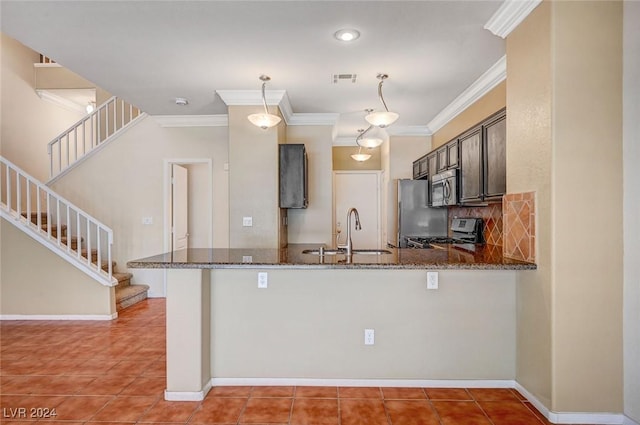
(495, 141)
(293, 176)
(470, 146)
(432, 160)
(452, 154)
(443, 163)
(416, 169)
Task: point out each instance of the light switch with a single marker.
(247, 221)
(147, 220)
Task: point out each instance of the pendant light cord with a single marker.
(264, 99)
(380, 94)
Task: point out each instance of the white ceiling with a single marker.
(150, 52)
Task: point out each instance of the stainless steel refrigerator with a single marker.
(415, 217)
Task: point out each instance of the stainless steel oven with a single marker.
(444, 188)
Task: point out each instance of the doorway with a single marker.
(188, 200)
(361, 190)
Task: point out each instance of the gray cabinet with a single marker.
(495, 157)
(294, 183)
(470, 145)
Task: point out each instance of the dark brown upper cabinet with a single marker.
(443, 158)
(470, 145)
(294, 171)
(495, 157)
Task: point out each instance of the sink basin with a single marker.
(371, 251)
(342, 252)
(326, 252)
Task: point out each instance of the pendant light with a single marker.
(265, 120)
(385, 118)
(370, 138)
(360, 157)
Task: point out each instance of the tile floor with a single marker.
(105, 373)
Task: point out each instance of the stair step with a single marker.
(54, 229)
(124, 279)
(73, 240)
(94, 254)
(130, 295)
(34, 217)
(105, 266)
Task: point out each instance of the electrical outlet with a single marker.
(147, 220)
(369, 337)
(247, 221)
(247, 259)
(263, 280)
(432, 280)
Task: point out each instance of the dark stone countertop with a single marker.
(453, 257)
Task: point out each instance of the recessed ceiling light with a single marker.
(181, 101)
(347, 35)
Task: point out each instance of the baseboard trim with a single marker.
(408, 383)
(596, 418)
(58, 316)
(188, 395)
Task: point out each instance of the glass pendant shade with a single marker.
(264, 120)
(381, 119)
(360, 157)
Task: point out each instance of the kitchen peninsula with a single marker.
(305, 324)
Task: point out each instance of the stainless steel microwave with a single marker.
(444, 188)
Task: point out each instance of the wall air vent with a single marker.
(345, 78)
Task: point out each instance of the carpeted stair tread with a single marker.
(124, 279)
(129, 295)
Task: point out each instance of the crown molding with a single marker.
(510, 14)
(487, 81)
(61, 101)
(192, 120)
(250, 97)
(279, 98)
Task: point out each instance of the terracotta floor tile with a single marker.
(403, 393)
(219, 410)
(411, 412)
(267, 410)
(25, 384)
(64, 385)
(316, 392)
(125, 409)
(272, 392)
(509, 413)
(129, 367)
(170, 411)
(537, 413)
(149, 386)
(359, 392)
(44, 401)
(460, 413)
(314, 411)
(492, 394)
(106, 385)
(457, 394)
(81, 408)
(229, 392)
(157, 368)
(518, 395)
(362, 412)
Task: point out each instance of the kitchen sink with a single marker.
(342, 252)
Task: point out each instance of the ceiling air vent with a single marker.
(345, 78)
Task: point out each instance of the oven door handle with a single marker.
(447, 190)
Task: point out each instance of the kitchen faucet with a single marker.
(349, 244)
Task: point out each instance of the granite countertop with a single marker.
(483, 257)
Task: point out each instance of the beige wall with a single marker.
(34, 281)
(565, 55)
(125, 182)
(529, 169)
(313, 224)
(310, 325)
(631, 218)
(490, 103)
(253, 180)
(28, 122)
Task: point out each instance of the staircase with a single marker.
(90, 134)
(65, 229)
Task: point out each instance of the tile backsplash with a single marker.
(519, 226)
(492, 216)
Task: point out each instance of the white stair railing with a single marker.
(45, 216)
(89, 133)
